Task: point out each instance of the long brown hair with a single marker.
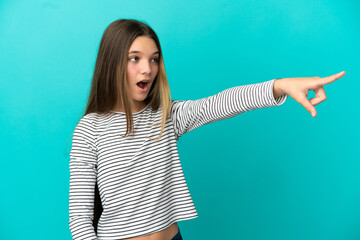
(109, 85)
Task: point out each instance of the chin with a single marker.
(140, 99)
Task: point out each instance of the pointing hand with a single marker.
(297, 88)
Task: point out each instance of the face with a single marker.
(143, 65)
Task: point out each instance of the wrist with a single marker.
(277, 90)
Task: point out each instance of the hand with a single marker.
(297, 88)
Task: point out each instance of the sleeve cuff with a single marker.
(276, 101)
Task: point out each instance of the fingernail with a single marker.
(313, 114)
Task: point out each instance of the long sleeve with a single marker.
(83, 175)
(191, 114)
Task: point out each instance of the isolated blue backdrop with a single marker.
(274, 174)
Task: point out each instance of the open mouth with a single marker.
(143, 85)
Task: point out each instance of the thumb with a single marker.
(308, 106)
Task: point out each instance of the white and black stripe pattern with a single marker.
(141, 183)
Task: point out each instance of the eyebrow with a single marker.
(135, 51)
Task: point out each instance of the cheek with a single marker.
(155, 70)
(130, 72)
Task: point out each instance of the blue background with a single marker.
(272, 173)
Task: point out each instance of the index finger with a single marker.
(330, 79)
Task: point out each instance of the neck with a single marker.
(135, 108)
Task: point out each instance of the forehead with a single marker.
(144, 44)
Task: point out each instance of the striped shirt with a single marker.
(141, 182)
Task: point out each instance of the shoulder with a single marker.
(179, 105)
(96, 120)
(84, 127)
(86, 121)
(176, 103)
(92, 122)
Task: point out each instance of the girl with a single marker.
(124, 158)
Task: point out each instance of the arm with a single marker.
(191, 114)
(83, 174)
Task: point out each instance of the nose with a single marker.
(145, 67)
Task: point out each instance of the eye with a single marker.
(156, 59)
(133, 58)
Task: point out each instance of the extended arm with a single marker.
(190, 114)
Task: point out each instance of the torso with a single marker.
(166, 234)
